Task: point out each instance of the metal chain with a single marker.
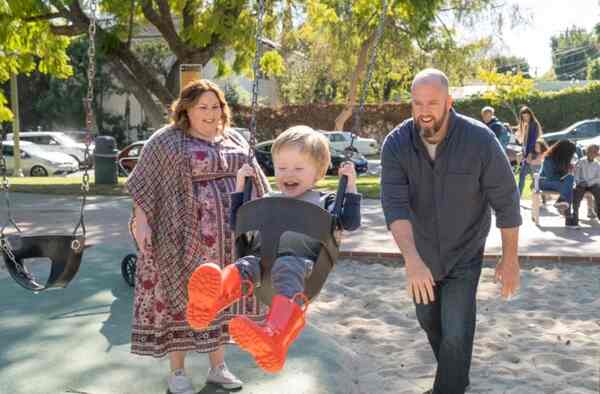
(89, 121)
(255, 68)
(370, 68)
(4, 244)
(6, 190)
(7, 249)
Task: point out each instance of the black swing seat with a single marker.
(273, 216)
(65, 260)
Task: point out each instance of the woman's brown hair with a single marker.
(524, 134)
(188, 98)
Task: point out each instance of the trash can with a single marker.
(105, 160)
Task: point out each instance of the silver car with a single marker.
(36, 161)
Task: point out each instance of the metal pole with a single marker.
(14, 101)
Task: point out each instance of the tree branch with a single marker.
(43, 17)
(152, 110)
(67, 30)
(187, 14)
(164, 24)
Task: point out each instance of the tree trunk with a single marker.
(361, 64)
(153, 111)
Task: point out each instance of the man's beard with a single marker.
(430, 132)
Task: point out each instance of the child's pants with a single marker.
(287, 275)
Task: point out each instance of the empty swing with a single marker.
(65, 250)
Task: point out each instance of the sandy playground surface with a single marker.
(544, 340)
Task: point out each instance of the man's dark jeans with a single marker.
(450, 325)
(578, 194)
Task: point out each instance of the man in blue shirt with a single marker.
(441, 175)
(487, 115)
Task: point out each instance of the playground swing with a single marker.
(64, 251)
(271, 217)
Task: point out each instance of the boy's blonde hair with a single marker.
(308, 141)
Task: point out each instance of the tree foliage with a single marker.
(194, 31)
(26, 46)
(510, 90)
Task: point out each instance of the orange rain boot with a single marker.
(268, 342)
(211, 290)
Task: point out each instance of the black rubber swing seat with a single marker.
(273, 216)
(63, 251)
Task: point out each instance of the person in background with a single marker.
(491, 121)
(555, 175)
(587, 179)
(528, 133)
(537, 157)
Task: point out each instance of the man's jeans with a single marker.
(450, 325)
(564, 187)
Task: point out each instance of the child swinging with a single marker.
(301, 158)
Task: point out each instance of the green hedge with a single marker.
(554, 110)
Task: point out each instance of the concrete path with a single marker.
(550, 240)
(107, 219)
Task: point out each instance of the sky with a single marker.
(547, 18)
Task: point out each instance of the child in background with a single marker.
(535, 162)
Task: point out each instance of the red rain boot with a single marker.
(211, 290)
(268, 342)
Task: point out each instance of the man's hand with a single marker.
(508, 273)
(420, 281)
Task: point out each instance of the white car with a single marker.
(55, 141)
(35, 161)
(341, 140)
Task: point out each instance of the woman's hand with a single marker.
(245, 171)
(347, 168)
(143, 236)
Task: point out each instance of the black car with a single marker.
(265, 160)
(582, 130)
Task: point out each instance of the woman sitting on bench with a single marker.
(556, 174)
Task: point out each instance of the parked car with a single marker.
(265, 159)
(127, 158)
(55, 141)
(582, 130)
(341, 140)
(35, 161)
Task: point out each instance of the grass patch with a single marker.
(67, 186)
(368, 186)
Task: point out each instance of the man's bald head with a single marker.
(430, 76)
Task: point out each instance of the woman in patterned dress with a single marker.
(180, 189)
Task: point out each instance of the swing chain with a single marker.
(6, 190)
(369, 76)
(89, 121)
(256, 70)
(7, 249)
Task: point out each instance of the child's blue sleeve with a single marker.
(351, 216)
(237, 199)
